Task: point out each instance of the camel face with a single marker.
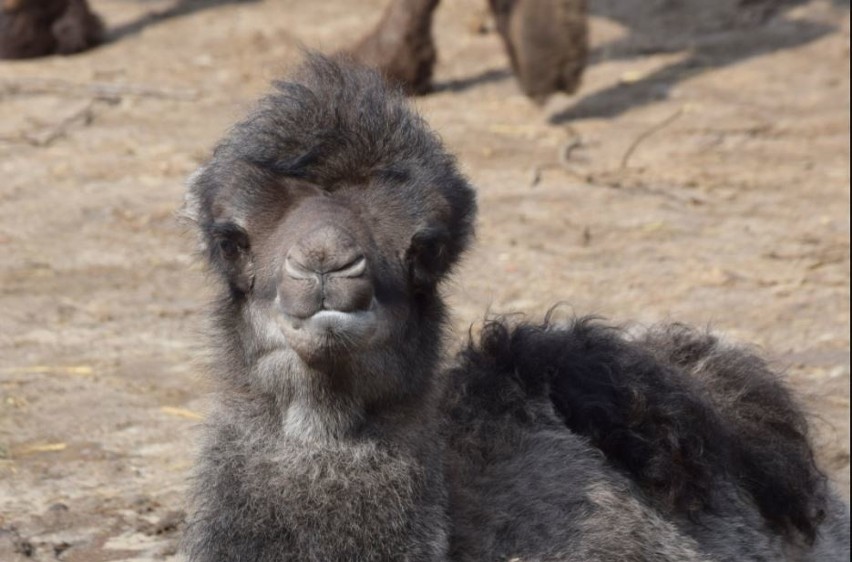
(311, 277)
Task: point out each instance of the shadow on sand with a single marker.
(462, 84)
(752, 28)
(182, 8)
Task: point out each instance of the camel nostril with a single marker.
(313, 263)
(355, 268)
(296, 270)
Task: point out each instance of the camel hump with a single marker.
(676, 409)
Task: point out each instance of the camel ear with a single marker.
(428, 257)
(190, 211)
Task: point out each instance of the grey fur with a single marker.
(348, 441)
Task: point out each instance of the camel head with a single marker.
(329, 217)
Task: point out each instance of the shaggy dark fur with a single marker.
(35, 28)
(677, 410)
(689, 419)
(639, 412)
(329, 218)
(522, 487)
(768, 448)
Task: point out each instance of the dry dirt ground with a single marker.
(700, 174)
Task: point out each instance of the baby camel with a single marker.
(329, 218)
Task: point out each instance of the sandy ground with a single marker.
(700, 174)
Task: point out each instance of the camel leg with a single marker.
(547, 43)
(78, 29)
(401, 45)
(37, 28)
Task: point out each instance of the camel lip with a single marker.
(328, 336)
(325, 327)
(335, 320)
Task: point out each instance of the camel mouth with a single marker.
(330, 330)
(331, 322)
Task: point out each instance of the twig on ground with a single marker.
(575, 140)
(110, 93)
(45, 135)
(625, 160)
(99, 90)
(563, 157)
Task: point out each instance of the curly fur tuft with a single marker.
(338, 125)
